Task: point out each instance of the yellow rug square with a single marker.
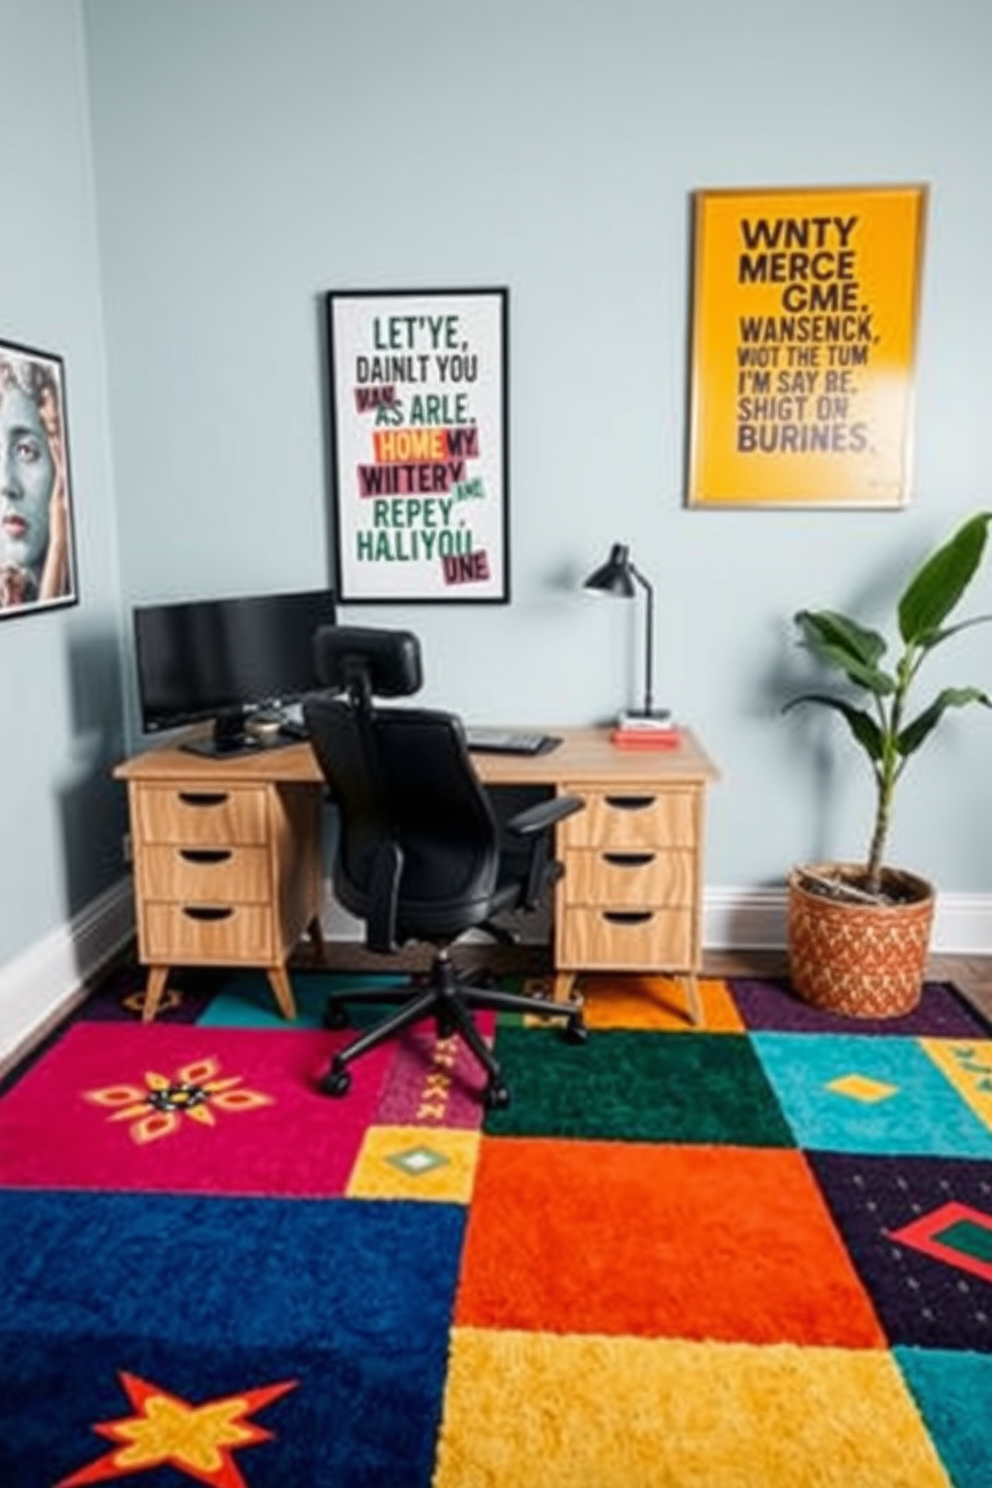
(415, 1162)
(643, 1001)
(662, 1413)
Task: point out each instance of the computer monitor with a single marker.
(224, 659)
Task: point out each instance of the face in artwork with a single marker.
(27, 477)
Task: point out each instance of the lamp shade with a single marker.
(614, 576)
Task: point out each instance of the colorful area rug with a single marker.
(752, 1255)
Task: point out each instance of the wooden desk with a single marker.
(228, 867)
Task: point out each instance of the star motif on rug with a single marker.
(166, 1430)
(195, 1091)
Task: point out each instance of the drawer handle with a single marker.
(628, 916)
(630, 803)
(628, 860)
(203, 798)
(207, 912)
(205, 854)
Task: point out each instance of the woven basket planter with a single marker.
(862, 960)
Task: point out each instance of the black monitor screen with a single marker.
(223, 658)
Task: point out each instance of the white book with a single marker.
(660, 719)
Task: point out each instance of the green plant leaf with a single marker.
(938, 636)
(842, 643)
(912, 736)
(864, 728)
(936, 588)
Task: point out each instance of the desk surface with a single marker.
(585, 754)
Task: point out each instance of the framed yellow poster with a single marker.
(805, 307)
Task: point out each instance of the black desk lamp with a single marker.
(616, 577)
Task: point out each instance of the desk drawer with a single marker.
(232, 934)
(204, 875)
(198, 814)
(626, 940)
(629, 878)
(631, 817)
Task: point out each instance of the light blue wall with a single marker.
(60, 816)
(251, 155)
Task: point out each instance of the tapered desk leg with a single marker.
(316, 933)
(282, 990)
(564, 984)
(158, 976)
(691, 984)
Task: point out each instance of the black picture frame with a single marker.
(419, 436)
(37, 520)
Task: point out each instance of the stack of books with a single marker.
(635, 731)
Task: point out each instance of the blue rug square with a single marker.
(237, 1329)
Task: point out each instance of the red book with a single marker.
(646, 738)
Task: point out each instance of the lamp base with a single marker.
(658, 718)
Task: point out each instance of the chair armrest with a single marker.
(535, 823)
(380, 922)
(545, 815)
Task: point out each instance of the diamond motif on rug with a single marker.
(958, 1234)
(417, 1160)
(861, 1088)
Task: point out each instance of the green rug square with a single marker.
(637, 1087)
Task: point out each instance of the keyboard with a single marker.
(509, 741)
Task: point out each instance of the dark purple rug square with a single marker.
(769, 1004)
(922, 1299)
(120, 998)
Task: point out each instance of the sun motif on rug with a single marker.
(165, 1430)
(195, 1092)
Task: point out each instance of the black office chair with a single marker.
(418, 852)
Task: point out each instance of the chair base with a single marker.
(449, 997)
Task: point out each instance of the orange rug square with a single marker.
(661, 1002)
(721, 1243)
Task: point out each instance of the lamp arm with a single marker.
(648, 641)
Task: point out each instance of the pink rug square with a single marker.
(436, 1082)
(183, 1109)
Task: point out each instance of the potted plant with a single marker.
(859, 933)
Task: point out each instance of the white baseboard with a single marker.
(752, 919)
(41, 986)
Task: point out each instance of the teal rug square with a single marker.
(246, 1001)
(852, 1094)
(954, 1394)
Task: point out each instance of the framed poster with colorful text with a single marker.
(37, 552)
(419, 428)
(805, 305)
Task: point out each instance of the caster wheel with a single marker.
(497, 1097)
(335, 1015)
(576, 1032)
(335, 1082)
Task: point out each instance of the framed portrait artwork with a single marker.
(419, 434)
(804, 329)
(37, 547)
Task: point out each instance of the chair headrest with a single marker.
(382, 663)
